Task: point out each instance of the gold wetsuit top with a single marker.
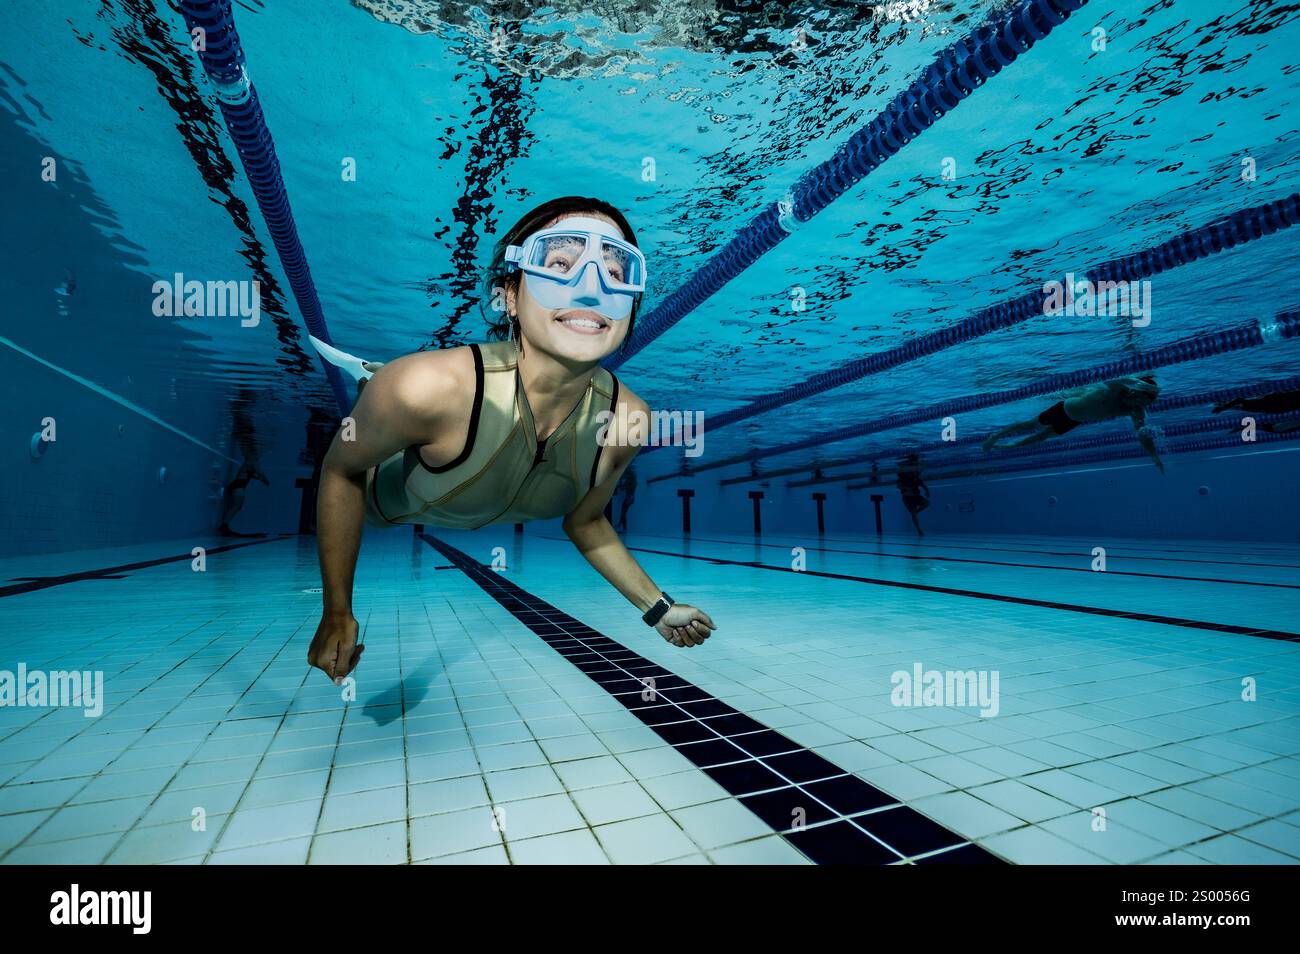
(504, 474)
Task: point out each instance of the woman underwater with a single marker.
(506, 431)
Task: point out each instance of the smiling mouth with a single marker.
(583, 322)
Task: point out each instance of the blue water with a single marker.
(1069, 159)
(1074, 156)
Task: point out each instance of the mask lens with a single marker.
(558, 254)
(621, 264)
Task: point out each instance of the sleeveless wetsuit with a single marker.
(504, 474)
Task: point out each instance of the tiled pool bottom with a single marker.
(528, 716)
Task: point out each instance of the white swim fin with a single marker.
(360, 370)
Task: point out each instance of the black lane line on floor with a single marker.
(29, 584)
(1113, 551)
(1121, 548)
(1117, 551)
(997, 597)
(776, 779)
(1027, 566)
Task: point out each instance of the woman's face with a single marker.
(577, 333)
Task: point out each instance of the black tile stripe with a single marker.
(768, 773)
(1027, 566)
(29, 584)
(996, 597)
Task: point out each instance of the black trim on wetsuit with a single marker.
(1056, 418)
(374, 494)
(613, 410)
(473, 421)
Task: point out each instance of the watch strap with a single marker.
(655, 613)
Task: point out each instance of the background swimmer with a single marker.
(1279, 402)
(1122, 397)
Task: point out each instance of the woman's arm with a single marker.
(404, 404)
(591, 533)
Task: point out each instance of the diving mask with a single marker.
(581, 263)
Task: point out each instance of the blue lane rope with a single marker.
(928, 451)
(1216, 396)
(223, 61)
(1220, 395)
(1068, 445)
(1283, 327)
(1064, 460)
(1237, 229)
(956, 73)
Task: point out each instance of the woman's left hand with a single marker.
(684, 625)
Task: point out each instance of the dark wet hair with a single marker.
(1136, 397)
(498, 276)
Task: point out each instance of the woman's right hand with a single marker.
(684, 625)
(334, 650)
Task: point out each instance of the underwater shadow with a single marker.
(386, 705)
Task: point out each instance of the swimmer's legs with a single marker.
(1042, 435)
(1280, 427)
(234, 504)
(1023, 427)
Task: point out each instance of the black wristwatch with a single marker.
(655, 613)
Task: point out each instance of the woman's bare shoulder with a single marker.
(630, 401)
(427, 384)
(630, 423)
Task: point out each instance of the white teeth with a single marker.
(582, 323)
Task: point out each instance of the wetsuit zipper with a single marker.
(537, 460)
(541, 445)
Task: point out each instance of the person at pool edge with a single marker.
(506, 431)
(234, 493)
(912, 488)
(627, 487)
